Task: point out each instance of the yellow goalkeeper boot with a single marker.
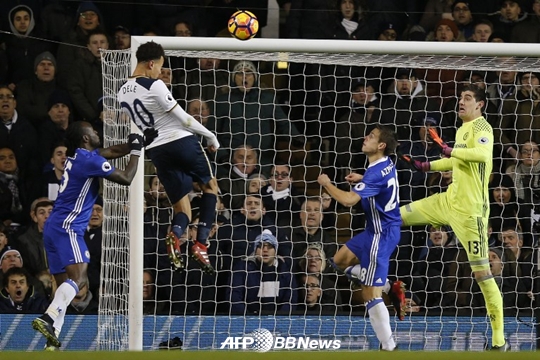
(173, 250)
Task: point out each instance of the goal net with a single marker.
(286, 111)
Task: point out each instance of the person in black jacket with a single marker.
(18, 296)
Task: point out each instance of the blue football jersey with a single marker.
(379, 192)
(79, 190)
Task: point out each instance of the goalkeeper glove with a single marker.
(446, 150)
(135, 142)
(415, 164)
(149, 135)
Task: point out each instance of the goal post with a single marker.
(121, 324)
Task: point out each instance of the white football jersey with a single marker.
(148, 102)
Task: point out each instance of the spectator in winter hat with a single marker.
(122, 38)
(244, 75)
(446, 30)
(388, 32)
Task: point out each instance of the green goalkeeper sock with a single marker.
(494, 306)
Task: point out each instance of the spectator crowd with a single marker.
(279, 129)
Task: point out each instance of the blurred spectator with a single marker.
(232, 177)
(463, 18)
(519, 113)
(496, 37)
(17, 133)
(53, 130)
(93, 237)
(84, 303)
(388, 32)
(205, 81)
(512, 12)
(508, 278)
(349, 23)
(248, 115)
(446, 30)
(19, 296)
(528, 31)
(407, 100)
(433, 12)
(3, 237)
(526, 176)
(310, 19)
(238, 239)
(199, 109)
(504, 87)
(263, 283)
(21, 47)
(421, 147)
(30, 243)
(150, 302)
(33, 93)
(255, 183)
(122, 38)
(439, 181)
(482, 31)
(88, 18)
(351, 128)
(310, 230)
(57, 19)
(12, 193)
(52, 178)
(431, 271)
(281, 200)
(512, 239)
(86, 84)
(311, 300)
(504, 204)
(11, 258)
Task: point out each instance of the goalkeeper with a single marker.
(465, 206)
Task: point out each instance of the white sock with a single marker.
(380, 321)
(62, 298)
(387, 286)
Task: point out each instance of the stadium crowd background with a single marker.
(50, 73)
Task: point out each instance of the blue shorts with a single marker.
(374, 251)
(180, 163)
(64, 247)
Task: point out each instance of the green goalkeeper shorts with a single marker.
(470, 230)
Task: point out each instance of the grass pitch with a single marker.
(274, 355)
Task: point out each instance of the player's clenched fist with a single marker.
(354, 178)
(149, 135)
(136, 143)
(323, 180)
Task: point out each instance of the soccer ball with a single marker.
(243, 25)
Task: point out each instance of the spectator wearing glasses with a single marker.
(122, 38)
(280, 198)
(463, 18)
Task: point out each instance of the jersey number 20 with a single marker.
(138, 113)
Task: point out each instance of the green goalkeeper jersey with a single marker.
(471, 163)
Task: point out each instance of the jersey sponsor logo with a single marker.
(169, 98)
(465, 136)
(106, 166)
(483, 140)
(360, 186)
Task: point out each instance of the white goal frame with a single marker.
(283, 48)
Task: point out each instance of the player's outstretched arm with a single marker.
(345, 198)
(195, 127)
(125, 177)
(115, 151)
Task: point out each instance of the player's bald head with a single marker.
(74, 135)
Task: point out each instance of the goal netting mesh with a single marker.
(306, 114)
